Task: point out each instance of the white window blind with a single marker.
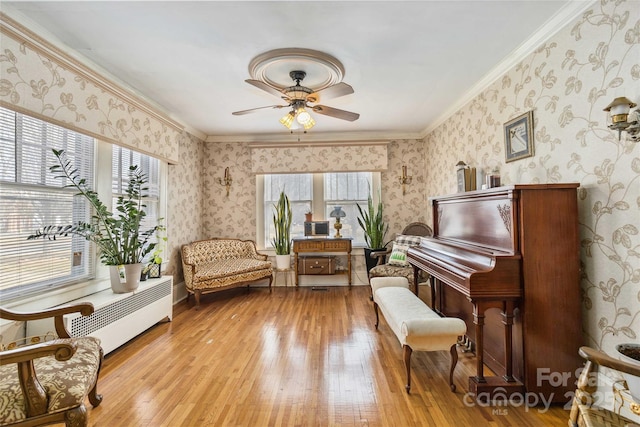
(299, 190)
(31, 197)
(122, 160)
(347, 189)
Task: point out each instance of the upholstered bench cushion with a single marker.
(66, 383)
(414, 323)
(225, 271)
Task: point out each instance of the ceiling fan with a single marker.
(299, 97)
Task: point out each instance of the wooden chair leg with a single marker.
(197, 295)
(407, 364)
(94, 397)
(375, 308)
(454, 362)
(76, 417)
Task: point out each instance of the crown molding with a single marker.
(324, 138)
(556, 23)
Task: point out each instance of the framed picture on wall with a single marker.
(518, 137)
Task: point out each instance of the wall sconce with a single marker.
(226, 181)
(337, 213)
(619, 117)
(405, 180)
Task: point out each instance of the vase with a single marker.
(283, 262)
(630, 353)
(125, 278)
(371, 262)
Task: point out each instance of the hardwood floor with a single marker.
(288, 358)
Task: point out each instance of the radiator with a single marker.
(117, 317)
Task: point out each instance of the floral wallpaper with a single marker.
(39, 79)
(319, 158)
(185, 204)
(567, 82)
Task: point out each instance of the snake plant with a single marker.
(282, 218)
(372, 223)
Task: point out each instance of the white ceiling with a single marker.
(410, 63)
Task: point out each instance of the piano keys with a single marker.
(506, 261)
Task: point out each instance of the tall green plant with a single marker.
(373, 224)
(282, 218)
(118, 236)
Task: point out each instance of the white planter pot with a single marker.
(632, 381)
(125, 278)
(283, 262)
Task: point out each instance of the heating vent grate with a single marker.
(84, 325)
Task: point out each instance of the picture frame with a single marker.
(518, 137)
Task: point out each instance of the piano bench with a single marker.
(416, 326)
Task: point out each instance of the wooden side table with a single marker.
(322, 244)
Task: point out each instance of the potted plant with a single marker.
(153, 268)
(282, 218)
(374, 227)
(122, 244)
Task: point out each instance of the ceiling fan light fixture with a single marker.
(309, 124)
(303, 116)
(287, 120)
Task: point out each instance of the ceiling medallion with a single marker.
(273, 68)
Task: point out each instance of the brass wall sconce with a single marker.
(619, 112)
(227, 180)
(405, 180)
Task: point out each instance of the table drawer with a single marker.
(317, 265)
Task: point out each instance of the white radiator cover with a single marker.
(117, 317)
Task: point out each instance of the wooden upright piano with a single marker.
(506, 261)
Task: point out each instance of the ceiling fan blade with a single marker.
(334, 112)
(251, 110)
(339, 89)
(265, 87)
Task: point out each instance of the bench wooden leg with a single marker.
(454, 362)
(375, 308)
(407, 363)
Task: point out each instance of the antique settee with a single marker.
(216, 264)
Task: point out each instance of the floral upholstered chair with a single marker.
(397, 264)
(47, 382)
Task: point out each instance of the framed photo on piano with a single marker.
(518, 137)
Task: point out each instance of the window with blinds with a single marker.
(324, 190)
(32, 197)
(121, 160)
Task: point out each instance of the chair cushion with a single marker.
(66, 383)
(399, 255)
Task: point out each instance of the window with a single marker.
(318, 193)
(32, 197)
(121, 160)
